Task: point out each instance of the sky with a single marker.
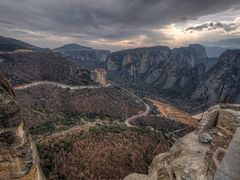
(121, 24)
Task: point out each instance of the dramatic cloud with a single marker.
(109, 21)
(213, 26)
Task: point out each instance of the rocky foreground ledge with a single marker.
(191, 157)
(18, 155)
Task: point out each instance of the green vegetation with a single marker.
(105, 129)
(72, 118)
(47, 153)
(46, 129)
(69, 120)
(147, 158)
(99, 152)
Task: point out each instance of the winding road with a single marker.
(64, 86)
(127, 121)
(145, 113)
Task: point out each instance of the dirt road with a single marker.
(174, 113)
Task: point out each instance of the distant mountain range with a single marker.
(185, 73)
(9, 44)
(227, 43)
(71, 47)
(215, 49)
(87, 57)
(38, 64)
(24, 68)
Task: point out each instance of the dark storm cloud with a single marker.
(107, 19)
(227, 27)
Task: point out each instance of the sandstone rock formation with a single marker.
(189, 158)
(185, 73)
(99, 76)
(178, 70)
(18, 155)
(222, 83)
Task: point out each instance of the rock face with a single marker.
(188, 158)
(205, 138)
(184, 72)
(99, 76)
(18, 156)
(177, 70)
(222, 83)
(84, 56)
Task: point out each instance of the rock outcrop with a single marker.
(18, 155)
(189, 158)
(185, 73)
(222, 83)
(178, 70)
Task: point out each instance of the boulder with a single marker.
(205, 138)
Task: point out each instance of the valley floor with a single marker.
(92, 131)
(171, 112)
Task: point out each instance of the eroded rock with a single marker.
(189, 158)
(18, 155)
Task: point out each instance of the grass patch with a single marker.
(106, 129)
(46, 129)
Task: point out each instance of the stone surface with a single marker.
(99, 76)
(187, 158)
(159, 67)
(222, 81)
(136, 176)
(180, 73)
(205, 138)
(18, 155)
(230, 164)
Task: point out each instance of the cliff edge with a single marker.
(191, 157)
(18, 155)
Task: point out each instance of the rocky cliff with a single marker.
(185, 73)
(191, 156)
(222, 82)
(178, 70)
(18, 155)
